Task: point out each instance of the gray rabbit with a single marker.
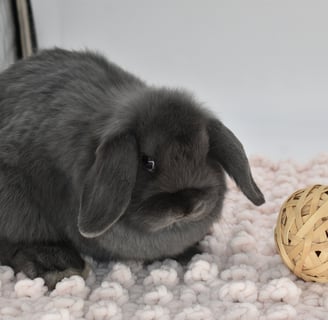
(93, 161)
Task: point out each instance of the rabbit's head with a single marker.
(160, 163)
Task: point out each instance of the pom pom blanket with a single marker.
(239, 275)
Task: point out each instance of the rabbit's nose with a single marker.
(191, 205)
(198, 209)
(188, 208)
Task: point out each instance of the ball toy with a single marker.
(301, 233)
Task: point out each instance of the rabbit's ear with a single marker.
(229, 152)
(108, 185)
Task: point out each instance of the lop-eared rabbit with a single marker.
(93, 161)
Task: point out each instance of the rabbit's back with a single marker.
(59, 81)
(51, 106)
(53, 103)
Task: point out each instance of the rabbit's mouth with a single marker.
(179, 219)
(170, 221)
(166, 211)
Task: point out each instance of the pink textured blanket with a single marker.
(239, 275)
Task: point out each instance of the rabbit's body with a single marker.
(76, 133)
(47, 126)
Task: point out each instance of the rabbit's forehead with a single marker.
(190, 143)
(172, 125)
(176, 142)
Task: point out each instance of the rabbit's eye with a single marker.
(148, 163)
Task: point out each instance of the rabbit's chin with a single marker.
(154, 241)
(171, 219)
(182, 220)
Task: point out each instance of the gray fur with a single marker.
(73, 130)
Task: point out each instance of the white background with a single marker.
(261, 65)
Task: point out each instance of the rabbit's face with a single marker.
(161, 164)
(177, 180)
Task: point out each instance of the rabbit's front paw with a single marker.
(51, 262)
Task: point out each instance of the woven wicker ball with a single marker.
(301, 233)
